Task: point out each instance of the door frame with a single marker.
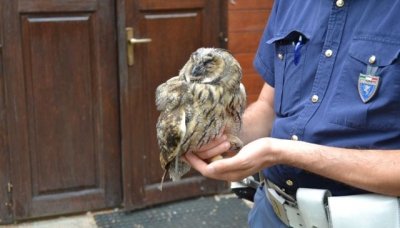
(6, 211)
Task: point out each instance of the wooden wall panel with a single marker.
(252, 82)
(246, 62)
(246, 23)
(247, 20)
(244, 42)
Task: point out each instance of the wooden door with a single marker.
(5, 196)
(177, 28)
(61, 80)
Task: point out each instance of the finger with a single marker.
(224, 170)
(230, 167)
(221, 167)
(217, 141)
(214, 170)
(219, 149)
(195, 162)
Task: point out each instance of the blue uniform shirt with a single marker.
(319, 99)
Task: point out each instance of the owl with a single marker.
(205, 96)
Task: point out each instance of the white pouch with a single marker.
(364, 211)
(313, 204)
(319, 209)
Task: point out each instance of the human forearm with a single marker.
(372, 170)
(258, 117)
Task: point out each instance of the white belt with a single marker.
(310, 209)
(296, 213)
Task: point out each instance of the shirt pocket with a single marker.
(288, 75)
(379, 113)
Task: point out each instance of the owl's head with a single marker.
(210, 65)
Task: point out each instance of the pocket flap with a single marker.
(385, 53)
(291, 35)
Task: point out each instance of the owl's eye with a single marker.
(208, 62)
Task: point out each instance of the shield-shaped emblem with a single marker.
(367, 86)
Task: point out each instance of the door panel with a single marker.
(61, 73)
(53, 111)
(177, 28)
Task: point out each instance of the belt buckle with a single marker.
(285, 208)
(277, 203)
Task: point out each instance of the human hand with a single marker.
(251, 159)
(212, 151)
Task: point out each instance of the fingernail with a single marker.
(210, 168)
(224, 137)
(227, 145)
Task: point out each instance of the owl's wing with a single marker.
(234, 120)
(242, 99)
(171, 94)
(171, 130)
(236, 107)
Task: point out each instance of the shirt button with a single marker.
(372, 59)
(294, 138)
(339, 3)
(289, 183)
(328, 53)
(280, 56)
(314, 98)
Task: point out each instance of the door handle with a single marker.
(139, 41)
(131, 41)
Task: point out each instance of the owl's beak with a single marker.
(197, 70)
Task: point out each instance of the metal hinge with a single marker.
(9, 187)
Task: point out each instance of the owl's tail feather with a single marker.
(162, 179)
(163, 176)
